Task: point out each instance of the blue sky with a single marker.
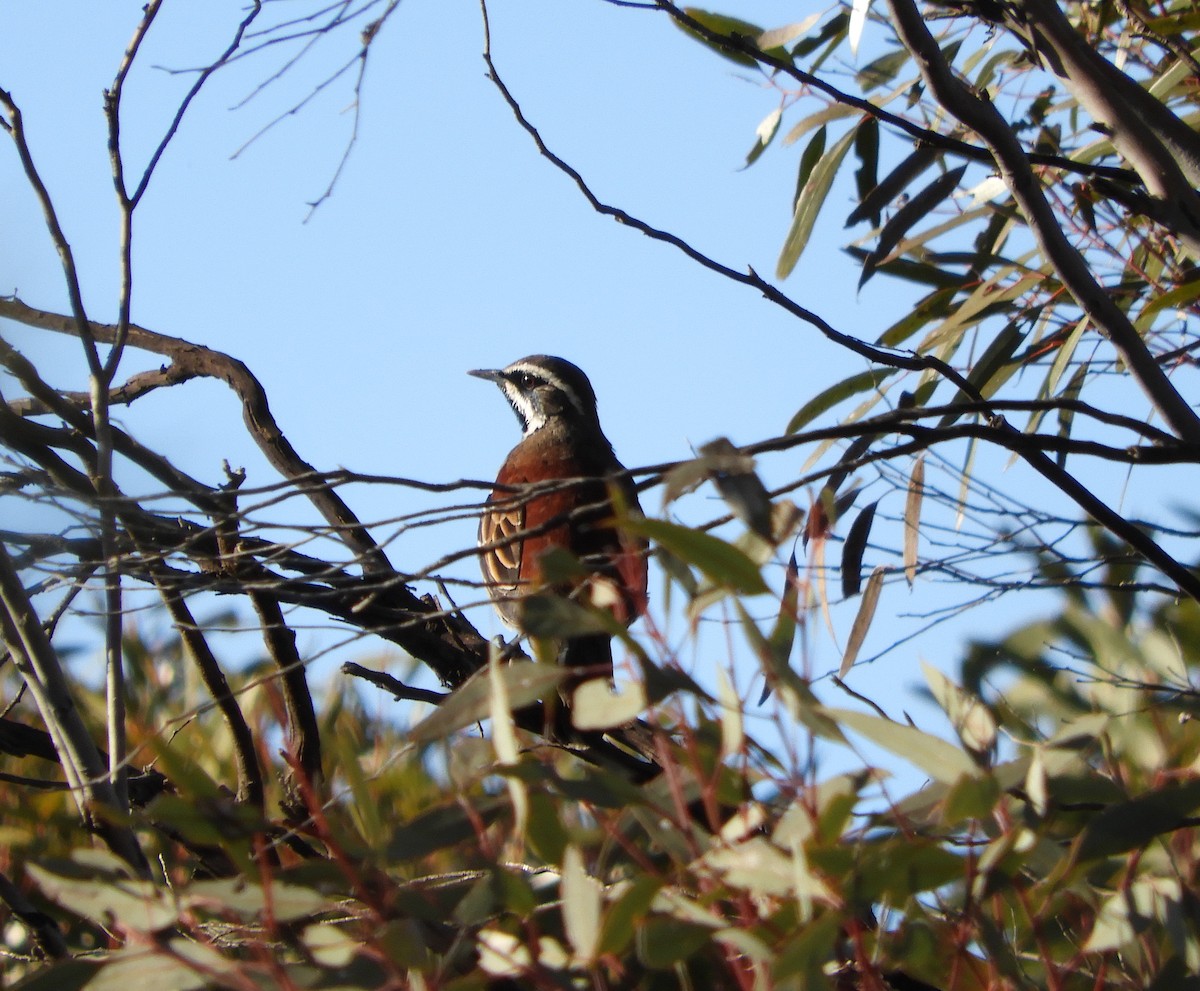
(447, 245)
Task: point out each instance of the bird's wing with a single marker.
(500, 527)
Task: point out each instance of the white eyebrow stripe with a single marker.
(538, 371)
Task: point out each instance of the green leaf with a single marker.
(866, 148)
(441, 827)
(1179, 297)
(862, 621)
(187, 965)
(935, 306)
(627, 911)
(942, 761)
(992, 370)
(106, 895)
(881, 70)
(853, 550)
(1132, 825)
(893, 184)
(722, 563)
(809, 203)
(525, 681)
(764, 134)
(63, 975)
(719, 24)
(831, 34)
(806, 953)
(828, 398)
(662, 942)
(808, 161)
(915, 210)
(835, 111)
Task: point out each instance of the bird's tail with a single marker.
(590, 655)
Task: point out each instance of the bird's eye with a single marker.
(526, 381)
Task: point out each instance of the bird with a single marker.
(561, 439)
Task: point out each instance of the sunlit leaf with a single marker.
(942, 761)
(830, 397)
(525, 682)
(595, 706)
(912, 518)
(809, 203)
(862, 621)
(764, 134)
(722, 563)
(1180, 297)
(835, 111)
(581, 898)
(858, 21)
(971, 719)
(779, 37)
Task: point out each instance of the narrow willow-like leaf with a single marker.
(916, 209)
(935, 306)
(835, 111)
(912, 518)
(908, 245)
(830, 35)
(524, 682)
(728, 26)
(924, 273)
(763, 135)
(830, 397)
(993, 368)
(779, 37)
(783, 636)
(1066, 416)
(858, 21)
(881, 71)
(733, 734)
(1180, 296)
(964, 485)
(1130, 825)
(938, 758)
(862, 621)
(853, 549)
(582, 896)
(893, 184)
(1065, 352)
(866, 147)
(808, 161)
(809, 204)
(721, 562)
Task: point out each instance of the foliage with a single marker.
(249, 834)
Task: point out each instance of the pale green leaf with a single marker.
(582, 896)
(941, 760)
(524, 681)
(862, 621)
(809, 203)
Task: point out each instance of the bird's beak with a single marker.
(491, 374)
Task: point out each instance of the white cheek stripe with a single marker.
(531, 418)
